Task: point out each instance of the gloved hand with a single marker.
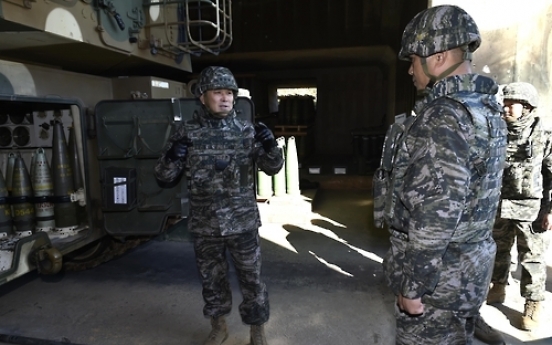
(264, 136)
(178, 151)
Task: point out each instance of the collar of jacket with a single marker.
(206, 119)
(472, 83)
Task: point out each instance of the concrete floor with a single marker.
(323, 271)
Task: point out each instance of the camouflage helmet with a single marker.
(521, 92)
(215, 77)
(438, 29)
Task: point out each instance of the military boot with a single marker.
(219, 331)
(531, 315)
(486, 333)
(258, 335)
(497, 294)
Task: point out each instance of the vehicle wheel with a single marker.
(98, 252)
(90, 251)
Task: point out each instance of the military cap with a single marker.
(522, 92)
(438, 29)
(215, 77)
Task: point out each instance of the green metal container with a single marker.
(264, 185)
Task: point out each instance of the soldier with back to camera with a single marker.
(441, 193)
(528, 174)
(220, 151)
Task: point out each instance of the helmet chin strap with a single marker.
(218, 116)
(213, 114)
(433, 79)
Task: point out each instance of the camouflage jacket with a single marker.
(528, 169)
(220, 166)
(446, 184)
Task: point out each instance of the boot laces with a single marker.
(530, 308)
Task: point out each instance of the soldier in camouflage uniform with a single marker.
(444, 186)
(528, 173)
(219, 151)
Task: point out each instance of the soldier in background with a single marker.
(527, 175)
(444, 187)
(219, 152)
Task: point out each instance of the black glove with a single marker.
(264, 136)
(178, 151)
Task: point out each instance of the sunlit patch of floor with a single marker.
(277, 234)
(330, 265)
(506, 317)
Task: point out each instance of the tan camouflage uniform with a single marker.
(528, 172)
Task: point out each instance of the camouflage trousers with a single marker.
(434, 327)
(213, 266)
(532, 244)
(464, 273)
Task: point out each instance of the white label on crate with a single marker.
(400, 118)
(160, 84)
(340, 171)
(120, 191)
(314, 170)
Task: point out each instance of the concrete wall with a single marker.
(517, 43)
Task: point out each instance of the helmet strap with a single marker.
(212, 114)
(433, 79)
